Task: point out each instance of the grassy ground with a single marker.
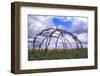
(57, 54)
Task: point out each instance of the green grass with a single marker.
(57, 54)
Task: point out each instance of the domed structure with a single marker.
(55, 33)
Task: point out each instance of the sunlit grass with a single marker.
(57, 54)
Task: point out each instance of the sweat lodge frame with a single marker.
(48, 39)
(15, 37)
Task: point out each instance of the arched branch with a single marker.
(46, 45)
(45, 30)
(61, 33)
(64, 41)
(63, 44)
(79, 43)
(69, 42)
(57, 39)
(34, 42)
(48, 40)
(75, 38)
(41, 43)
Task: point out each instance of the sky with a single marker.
(76, 25)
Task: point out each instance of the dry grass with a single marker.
(57, 54)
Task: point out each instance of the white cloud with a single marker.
(79, 25)
(38, 23)
(83, 37)
(61, 27)
(79, 28)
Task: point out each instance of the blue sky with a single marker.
(75, 25)
(66, 24)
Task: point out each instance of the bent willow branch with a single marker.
(61, 35)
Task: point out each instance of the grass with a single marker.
(57, 54)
